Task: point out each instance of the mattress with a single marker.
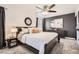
(37, 40)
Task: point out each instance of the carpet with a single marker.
(66, 46)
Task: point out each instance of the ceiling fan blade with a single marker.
(45, 7)
(51, 11)
(39, 8)
(51, 6)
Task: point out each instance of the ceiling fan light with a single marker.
(45, 13)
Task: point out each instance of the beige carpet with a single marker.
(66, 46)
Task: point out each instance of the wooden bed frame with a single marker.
(48, 47)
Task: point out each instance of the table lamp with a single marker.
(13, 31)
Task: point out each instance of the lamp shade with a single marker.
(13, 29)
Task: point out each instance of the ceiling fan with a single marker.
(47, 8)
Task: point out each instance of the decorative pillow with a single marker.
(35, 30)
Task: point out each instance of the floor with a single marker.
(66, 46)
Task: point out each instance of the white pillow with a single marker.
(24, 30)
(30, 30)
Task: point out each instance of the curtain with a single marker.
(2, 27)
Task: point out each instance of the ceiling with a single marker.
(61, 9)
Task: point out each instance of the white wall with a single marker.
(15, 15)
(76, 14)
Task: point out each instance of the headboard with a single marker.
(19, 29)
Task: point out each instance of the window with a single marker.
(57, 23)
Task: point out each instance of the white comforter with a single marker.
(37, 40)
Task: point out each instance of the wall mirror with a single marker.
(28, 21)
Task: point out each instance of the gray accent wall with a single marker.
(69, 23)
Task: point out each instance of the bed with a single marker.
(41, 43)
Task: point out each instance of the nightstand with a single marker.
(12, 42)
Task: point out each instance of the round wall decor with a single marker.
(28, 21)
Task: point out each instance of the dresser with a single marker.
(61, 33)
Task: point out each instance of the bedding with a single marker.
(37, 40)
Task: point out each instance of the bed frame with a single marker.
(48, 47)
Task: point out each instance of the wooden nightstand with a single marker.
(12, 42)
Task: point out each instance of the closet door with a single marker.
(2, 33)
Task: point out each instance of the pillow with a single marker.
(24, 30)
(34, 30)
